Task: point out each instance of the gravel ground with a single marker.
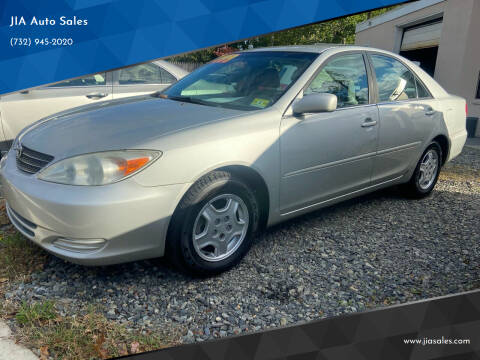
(377, 250)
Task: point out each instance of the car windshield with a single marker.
(246, 81)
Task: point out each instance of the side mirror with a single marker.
(316, 102)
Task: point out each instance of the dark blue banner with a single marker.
(46, 41)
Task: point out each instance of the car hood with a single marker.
(129, 123)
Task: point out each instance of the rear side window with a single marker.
(145, 74)
(344, 76)
(394, 81)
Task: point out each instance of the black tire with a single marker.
(413, 187)
(180, 248)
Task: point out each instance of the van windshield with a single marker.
(246, 81)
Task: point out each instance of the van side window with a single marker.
(394, 81)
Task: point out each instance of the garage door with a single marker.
(422, 36)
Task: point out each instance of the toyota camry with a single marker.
(247, 141)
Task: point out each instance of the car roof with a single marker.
(314, 48)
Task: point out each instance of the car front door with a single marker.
(407, 115)
(140, 80)
(23, 108)
(330, 154)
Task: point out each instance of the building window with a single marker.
(477, 95)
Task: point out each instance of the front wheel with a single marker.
(426, 172)
(213, 226)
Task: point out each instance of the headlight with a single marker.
(98, 168)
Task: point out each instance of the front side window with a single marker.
(346, 77)
(145, 74)
(90, 80)
(246, 81)
(395, 82)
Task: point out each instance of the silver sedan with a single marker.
(23, 108)
(247, 141)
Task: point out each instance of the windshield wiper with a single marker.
(198, 101)
(188, 99)
(180, 98)
(193, 100)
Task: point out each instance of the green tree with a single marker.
(337, 31)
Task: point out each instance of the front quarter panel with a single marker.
(250, 140)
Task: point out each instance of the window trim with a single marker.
(339, 54)
(416, 77)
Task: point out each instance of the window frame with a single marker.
(340, 54)
(416, 77)
(116, 76)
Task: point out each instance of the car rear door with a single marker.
(330, 154)
(23, 108)
(407, 117)
(140, 80)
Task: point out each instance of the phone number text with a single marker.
(28, 42)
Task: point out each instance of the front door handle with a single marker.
(96, 95)
(369, 122)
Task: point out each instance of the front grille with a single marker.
(31, 161)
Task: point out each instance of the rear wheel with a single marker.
(213, 226)
(426, 173)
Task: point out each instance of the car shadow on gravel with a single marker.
(391, 194)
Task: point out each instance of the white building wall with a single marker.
(458, 61)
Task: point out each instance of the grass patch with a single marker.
(18, 257)
(36, 313)
(85, 336)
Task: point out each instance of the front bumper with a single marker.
(90, 225)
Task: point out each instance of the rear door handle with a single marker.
(96, 95)
(369, 122)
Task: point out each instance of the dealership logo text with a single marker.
(63, 21)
